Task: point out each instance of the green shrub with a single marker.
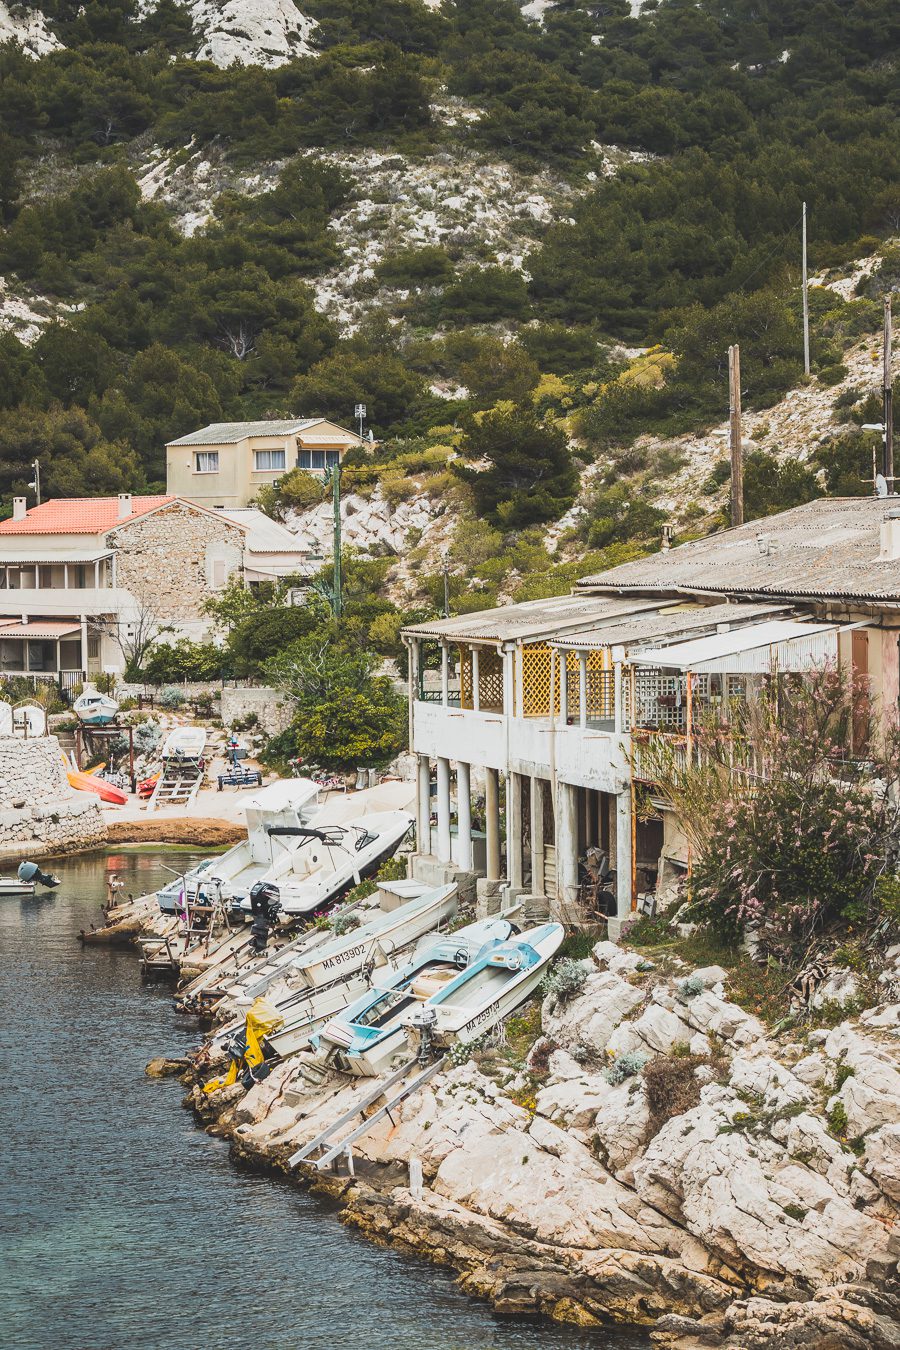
(184, 660)
(564, 980)
(625, 1066)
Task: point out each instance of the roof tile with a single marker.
(80, 515)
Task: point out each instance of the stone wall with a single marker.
(166, 559)
(273, 708)
(39, 812)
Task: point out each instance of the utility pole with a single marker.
(445, 567)
(734, 417)
(805, 301)
(888, 396)
(337, 600)
(36, 465)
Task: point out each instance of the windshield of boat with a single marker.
(381, 1007)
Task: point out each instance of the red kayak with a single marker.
(88, 782)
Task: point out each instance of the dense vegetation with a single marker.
(739, 112)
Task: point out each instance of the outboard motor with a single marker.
(265, 906)
(29, 871)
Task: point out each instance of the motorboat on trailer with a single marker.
(288, 803)
(94, 709)
(494, 985)
(329, 858)
(184, 743)
(371, 1033)
(28, 877)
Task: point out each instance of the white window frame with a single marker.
(206, 461)
(281, 455)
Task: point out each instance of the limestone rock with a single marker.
(882, 1159)
(590, 1018)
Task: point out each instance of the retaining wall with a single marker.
(39, 812)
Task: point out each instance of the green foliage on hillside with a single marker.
(737, 115)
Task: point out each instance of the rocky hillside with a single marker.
(447, 211)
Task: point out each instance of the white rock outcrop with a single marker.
(28, 28)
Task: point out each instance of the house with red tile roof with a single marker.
(83, 580)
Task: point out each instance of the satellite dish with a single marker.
(881, 487)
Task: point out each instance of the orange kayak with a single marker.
(86, 782)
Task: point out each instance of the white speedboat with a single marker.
(488, 990)
(330, 858)
(262, 856)
(95, 709)
(369, 1035)
(28, 877)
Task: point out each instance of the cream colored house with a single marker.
(225, 464)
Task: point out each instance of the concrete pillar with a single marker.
(566, 848)
(623, 854)
(443, 810)
(537, 836)
(514, 829)
(464, 815)
(84, 645)
(564, 686)
(582, 689)
(476, 688)
(492, 824)
(423, 804)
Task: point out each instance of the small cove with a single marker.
(124, 1225)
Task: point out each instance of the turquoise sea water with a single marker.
(121, 1225)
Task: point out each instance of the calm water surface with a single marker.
(121, 1225)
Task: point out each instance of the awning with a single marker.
(779, 645)
(84, 558)
(14, 628)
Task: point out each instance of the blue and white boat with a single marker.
(367, 1035)
(95, 709)
(488, 990)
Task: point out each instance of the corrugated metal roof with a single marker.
(531, 620)
(229, 433)
(39, 628)
(826, 549)
(80, 515)
(666, 624)
(727, 651)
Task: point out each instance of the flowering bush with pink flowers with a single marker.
(793, 814)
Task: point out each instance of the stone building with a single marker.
(82, 578)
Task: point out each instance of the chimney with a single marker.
(20, 510)
(890, 536)
(124, 505)
(667, 532)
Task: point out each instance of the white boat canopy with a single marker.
(779, 645)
